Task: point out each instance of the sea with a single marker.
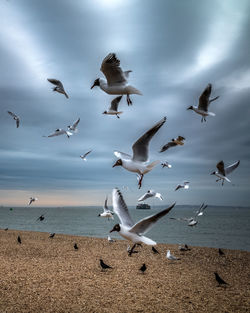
(219, 227)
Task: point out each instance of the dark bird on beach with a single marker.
(6, 228)
(41, 218)
(155, 251)
(219, 279)
(143, 268)
(221, 252)
(103, 265)
(75, 246)
(19, 239)
(51, 235)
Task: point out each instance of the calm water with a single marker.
(223, 227)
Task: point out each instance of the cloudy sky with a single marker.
(175, 48)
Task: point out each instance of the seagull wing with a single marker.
(12, 114)
(122, 155)
(204, 98)
(57, 133)
(140, 147)
(121, 209)
(112, 70)
(114, 103)
(168, 145)
(76, 123)
(220, 167)
(84, 156)
(231, 167)
(105, 207)
(145, 224)
(17, 122)
(55, 82)
(145, 196)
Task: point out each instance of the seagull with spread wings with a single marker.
(106, 211)
(74, 126)
(116, 82)
(204, 103)
(113, 109)
(223, 172)
(58, 132)
(127, 228)
(84, 156)
(138, 163)
(32, 199)
(150, 194)
(173, 143)
(15, 117)
(59, 86)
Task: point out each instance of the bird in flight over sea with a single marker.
(103, 265)
(32, 199)
(113, 109)
(84, 156)
(41, 217)
(201, 210)
(59, 86)
(116, 79)
(58, 132)
(219, 279)
(204, 103)
(130, 230)
(223, 172)
(138, 163)
(106, 211)
(15, 117)
(166, 164)
(173, 143)
(171, 257)
(150, 194)
(185, 185)
(191, 221)
(73, 127)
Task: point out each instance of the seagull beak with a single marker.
(111, 230)
(92, 86)
(117, 163)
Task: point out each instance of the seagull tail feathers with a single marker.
(133, 90)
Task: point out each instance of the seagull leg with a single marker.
(129, 101)
(205, 119)
(132, 250)
(117, 116)
(140, 181)
(202, 119)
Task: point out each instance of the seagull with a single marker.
(149, 194)
(114, 107)
(83, 156)
(103, 265)
(60, 131)
(73, 127)
(106, 211)
(32, 200)
(130, 230)
(155, 251)
(41, 217)
(116, 80)
(19, 239)
(219, 279)
(185, 185)
(174, 142)
(51, 235)
(193, 222)
(204, 102)
(138, 163)
(59, 86)
(190, 220)
(75, 246)
(200, 212)
(15, 117)
(143, 268)
(166, 164)
(110, 239)
(223, 172)
(171, 257)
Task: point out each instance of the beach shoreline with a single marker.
(48, 275)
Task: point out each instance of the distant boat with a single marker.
(143, 206)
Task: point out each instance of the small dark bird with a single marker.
(219, 279)
(143, 268)
(221, 252)
(51, 235)
(76, 246)
(155, 251)
(6, 228)
(19, 239)
(41, 218)
(103, 265)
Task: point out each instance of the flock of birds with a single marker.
(116, 83)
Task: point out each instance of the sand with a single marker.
(48, 275)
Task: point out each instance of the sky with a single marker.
(174, 48)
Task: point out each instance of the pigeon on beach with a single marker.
(103, 265)
(219, 279)
(143, 268)
(58, 132)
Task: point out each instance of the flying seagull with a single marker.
(103, 265)
(204, 102)
(113, 109)
(185, 185)
(130, 230)
(106, 211)
(59, 86)
(116, 80)
(41, 217)
(149, 194)
(223, 172)
(219, 279)
(15, 117)
(83, 156)
(73, 127)
(200, 212)
(173, 143)
(166, 164)
(60, 131)
(171, 257)
(32, 199)
(138, 163)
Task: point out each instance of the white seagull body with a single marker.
(150, 194)
(32, 200)
(223, 172)
(59, 86)
(59, 132)
(83, 156)
(116, 79)
(15, 117)
(130, 230)
(74, 126)
(185, 185)
(200, 212)
(138, 163)
(113, 109)
(204, 102)
(171, 257)
(106, 211)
